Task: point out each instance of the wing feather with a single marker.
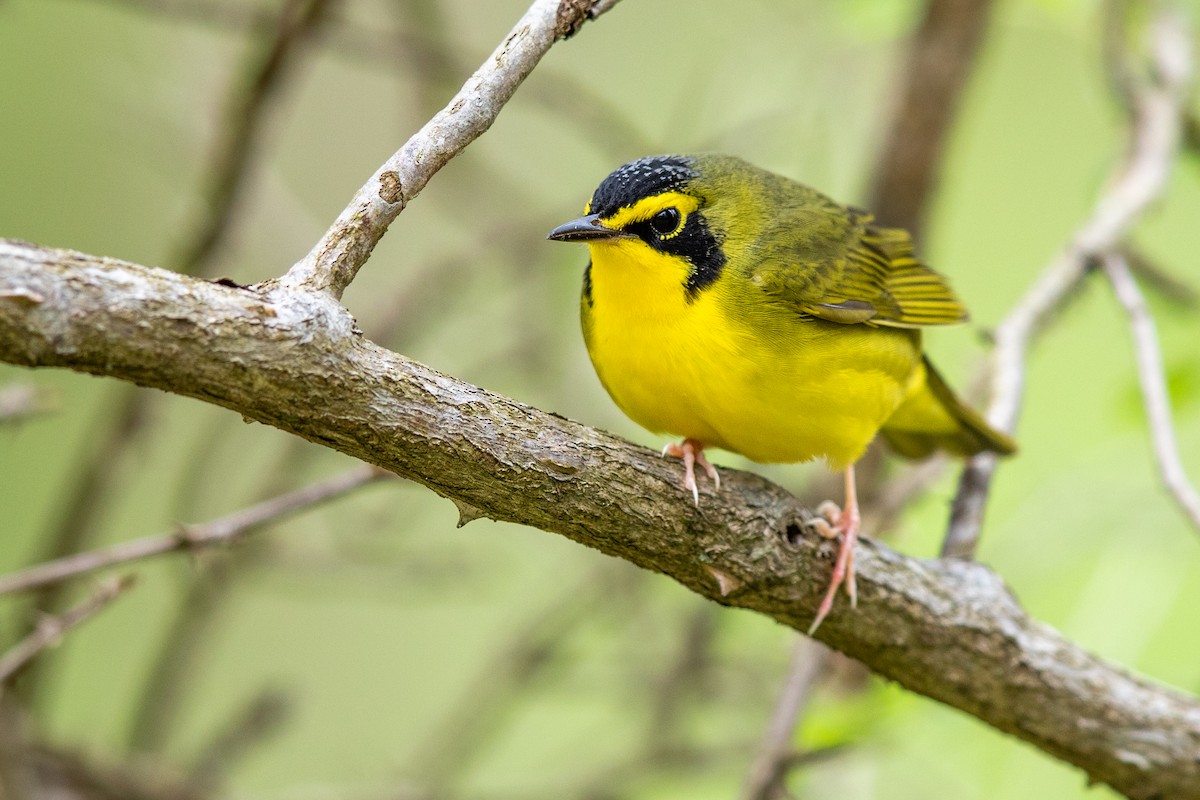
(863, 274)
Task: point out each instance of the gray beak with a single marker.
(583, 229)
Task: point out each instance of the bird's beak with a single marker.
(584, 229)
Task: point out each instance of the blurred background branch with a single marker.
(253, 89)
(939, 62)
(939, 59)
(228, 170)
(191, 538)
(51, 629)
(1152, 376)
(1156, 104)
(768, 771)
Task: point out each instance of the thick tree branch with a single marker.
(293, 360)
(332, 264)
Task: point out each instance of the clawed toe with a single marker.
(692, 453)
(832, 522)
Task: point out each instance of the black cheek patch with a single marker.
(701, 248)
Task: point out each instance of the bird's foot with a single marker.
(692, 453)
(832, 522)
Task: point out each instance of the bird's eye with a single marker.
(665, 222)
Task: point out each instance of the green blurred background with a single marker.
(496, 661)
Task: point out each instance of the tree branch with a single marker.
(223, 530)
(940, 61)
(771, 763)
(255, 721)
(332, 264)
(51, 629)
(250, 96)
(1135, 183)
(293, 360)
(1169, 287)
(1151, 376)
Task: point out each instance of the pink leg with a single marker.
(692, 453)
(847, 524)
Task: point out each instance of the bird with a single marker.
(738, 309)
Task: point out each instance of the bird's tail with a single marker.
(933, 418)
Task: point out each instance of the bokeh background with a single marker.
(382, 653)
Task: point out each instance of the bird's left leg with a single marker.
(844, 521)
(692, 453)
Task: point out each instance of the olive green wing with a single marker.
(883, 270)
(839, 267)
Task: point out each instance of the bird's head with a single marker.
(665, 206)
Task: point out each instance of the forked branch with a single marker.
(1158, 105)
(332, 264)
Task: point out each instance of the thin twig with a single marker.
(1154, 387)
(1162, 283)
(222, 530)
(245, 113)
(164, 692)
(764, 780)
(50, 629)
(332, 264)
(119, 427)
(1135, 183)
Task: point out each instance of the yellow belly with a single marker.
(739, 373)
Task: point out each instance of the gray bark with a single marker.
(293, 359)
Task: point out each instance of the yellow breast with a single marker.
(734, 370)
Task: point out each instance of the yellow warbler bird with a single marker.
(738, 309)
